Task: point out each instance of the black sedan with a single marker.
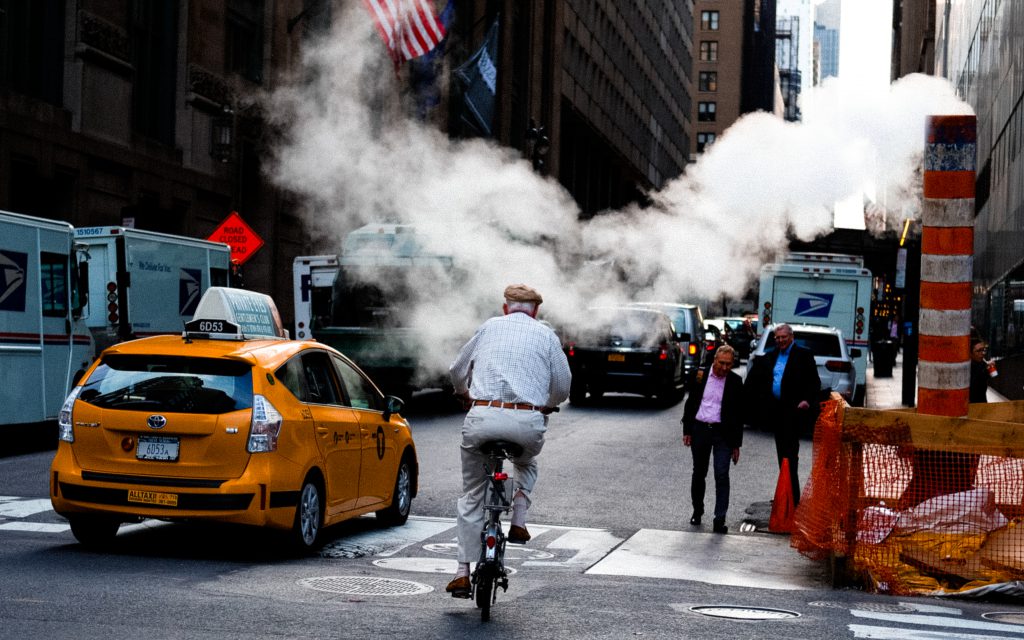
(625, 350)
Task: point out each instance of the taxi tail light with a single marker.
(840, 366)
(65, 427)
(265, 427)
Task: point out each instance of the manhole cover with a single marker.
(512, 552)
(876, 607)
(1009, 617)
(745, 613)
(365, 586)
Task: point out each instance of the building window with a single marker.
(708, 51)
(53, 278)
(32, 48)
(708, 81)
(706, 111)
(155, 56)
(704, 140)
(709, 20)
(243, 51)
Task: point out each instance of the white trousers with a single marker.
(525, 428)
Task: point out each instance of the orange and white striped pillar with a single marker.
(947, 263)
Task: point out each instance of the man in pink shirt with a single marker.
(713, 428)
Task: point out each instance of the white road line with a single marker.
(23, 508)
(889, 633)
(41, 527)
(937, 621)
(590, 547)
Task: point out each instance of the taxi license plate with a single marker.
(153, 497)
(616, 357)
(157, 448)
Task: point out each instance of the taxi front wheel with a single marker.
(309, 516)
(94, 530)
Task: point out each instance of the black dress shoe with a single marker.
(695, 519)
(718, 526)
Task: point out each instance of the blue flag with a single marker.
(478, 77)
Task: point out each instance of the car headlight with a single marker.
(66, 428)
(265, 426)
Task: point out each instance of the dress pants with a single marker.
(482, 423)
(788, 426)
(708, 442)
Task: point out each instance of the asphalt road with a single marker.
(613, 556)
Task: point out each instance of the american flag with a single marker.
(409, 28)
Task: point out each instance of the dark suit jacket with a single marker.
(732, 408)
(800, 382)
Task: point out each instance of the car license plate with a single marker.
(153, 497)
(616, 357)
(157, 448)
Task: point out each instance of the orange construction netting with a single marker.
(911, 519)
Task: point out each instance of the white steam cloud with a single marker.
(353, 156)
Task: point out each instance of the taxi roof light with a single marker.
(225, 313)
(265, 426)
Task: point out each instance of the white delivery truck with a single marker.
(313, 282)
(45, 345)
(827, 289)
(146, 283)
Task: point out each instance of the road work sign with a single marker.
(244, 242)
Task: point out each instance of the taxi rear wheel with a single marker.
(309, 516)
(401, 499)
(93, 530)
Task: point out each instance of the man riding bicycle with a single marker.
(511, 374)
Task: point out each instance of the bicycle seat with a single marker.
(502, 448)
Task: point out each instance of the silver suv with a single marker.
(836, 366)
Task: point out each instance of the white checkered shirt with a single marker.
(513, 358)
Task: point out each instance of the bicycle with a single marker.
(490, 573)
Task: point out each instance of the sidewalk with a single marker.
(887, 393)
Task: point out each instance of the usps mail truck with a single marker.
(828, 289)
(45, 345)
(146, 283)
(313, 280)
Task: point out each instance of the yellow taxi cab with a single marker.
(230, 422)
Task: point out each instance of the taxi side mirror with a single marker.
(393, 404)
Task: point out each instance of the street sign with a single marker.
(239, 236)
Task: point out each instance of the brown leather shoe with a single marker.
(518, 535)
(459, 587)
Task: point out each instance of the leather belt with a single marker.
(505, 405)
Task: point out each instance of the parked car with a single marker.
(738, 332)
(713, 339)
(689, 327)
(230, 422)
(627, 350)
(836, 366)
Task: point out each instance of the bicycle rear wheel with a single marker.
(484, 590)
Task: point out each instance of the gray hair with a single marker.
(525, 307)
(726, 348)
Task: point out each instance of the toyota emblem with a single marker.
(156, 422)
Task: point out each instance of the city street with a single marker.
(612, 556)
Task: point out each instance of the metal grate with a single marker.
(876, 607)
(365, 586)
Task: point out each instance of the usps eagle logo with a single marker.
(814, 305)
(189, 290)
(13, 266)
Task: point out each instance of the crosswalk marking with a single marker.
(891, 633)
(938, 621)
(11, 507)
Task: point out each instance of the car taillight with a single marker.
(65, 427)
(265, 427)
(692, 349)
(663, 352)
(840, 366)
(572, 349)
(710, 346)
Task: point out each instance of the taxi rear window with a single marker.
(170, 384)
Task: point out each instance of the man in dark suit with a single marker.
(786, 388)
(713, 427)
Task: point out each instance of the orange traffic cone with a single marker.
(781, 520)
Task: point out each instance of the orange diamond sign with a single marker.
(239, 236)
